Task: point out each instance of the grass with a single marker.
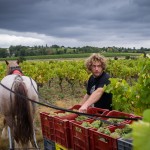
(72, 56)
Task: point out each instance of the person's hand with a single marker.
(83, 109)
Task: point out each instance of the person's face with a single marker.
(96, 69)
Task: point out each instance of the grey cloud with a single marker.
(90, 20)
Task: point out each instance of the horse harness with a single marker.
(15, 70)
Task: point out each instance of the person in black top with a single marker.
(96, 95)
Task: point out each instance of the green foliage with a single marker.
(122, 93)
(143, 84)
(21, 59)
(131, 90)
(20, 50)
(3, 53)
(146, 115)
(2, 70)
(141, 133)
(130, 79)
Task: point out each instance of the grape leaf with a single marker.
(146, 115)
(141, 135)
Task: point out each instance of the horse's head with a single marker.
(13, 67)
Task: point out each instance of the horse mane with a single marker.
(23, 124)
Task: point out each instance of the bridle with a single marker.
(15, 70)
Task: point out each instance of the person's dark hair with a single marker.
(95, 58)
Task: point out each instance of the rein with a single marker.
(46, 104)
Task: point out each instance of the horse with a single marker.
(17, 96)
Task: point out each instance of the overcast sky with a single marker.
(75, 23)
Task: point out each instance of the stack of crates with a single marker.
(47, 125)
(101, 141)
(90, 139)
(69, 137)
(57, 129)
(65, 133)
(63, 126)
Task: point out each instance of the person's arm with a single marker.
(85, 98)
(93, 98)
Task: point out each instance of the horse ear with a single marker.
(6, 62)
(18, 62)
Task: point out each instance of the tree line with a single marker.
(19, 50)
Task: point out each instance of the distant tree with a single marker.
(21, 59)
(65, 50)
(55, 46)
(74, 50)
(3, 53)
(22, 52)
(18, 50)
(12, 50)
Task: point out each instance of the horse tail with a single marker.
(23, 125)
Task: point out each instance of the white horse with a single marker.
(16, 91)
